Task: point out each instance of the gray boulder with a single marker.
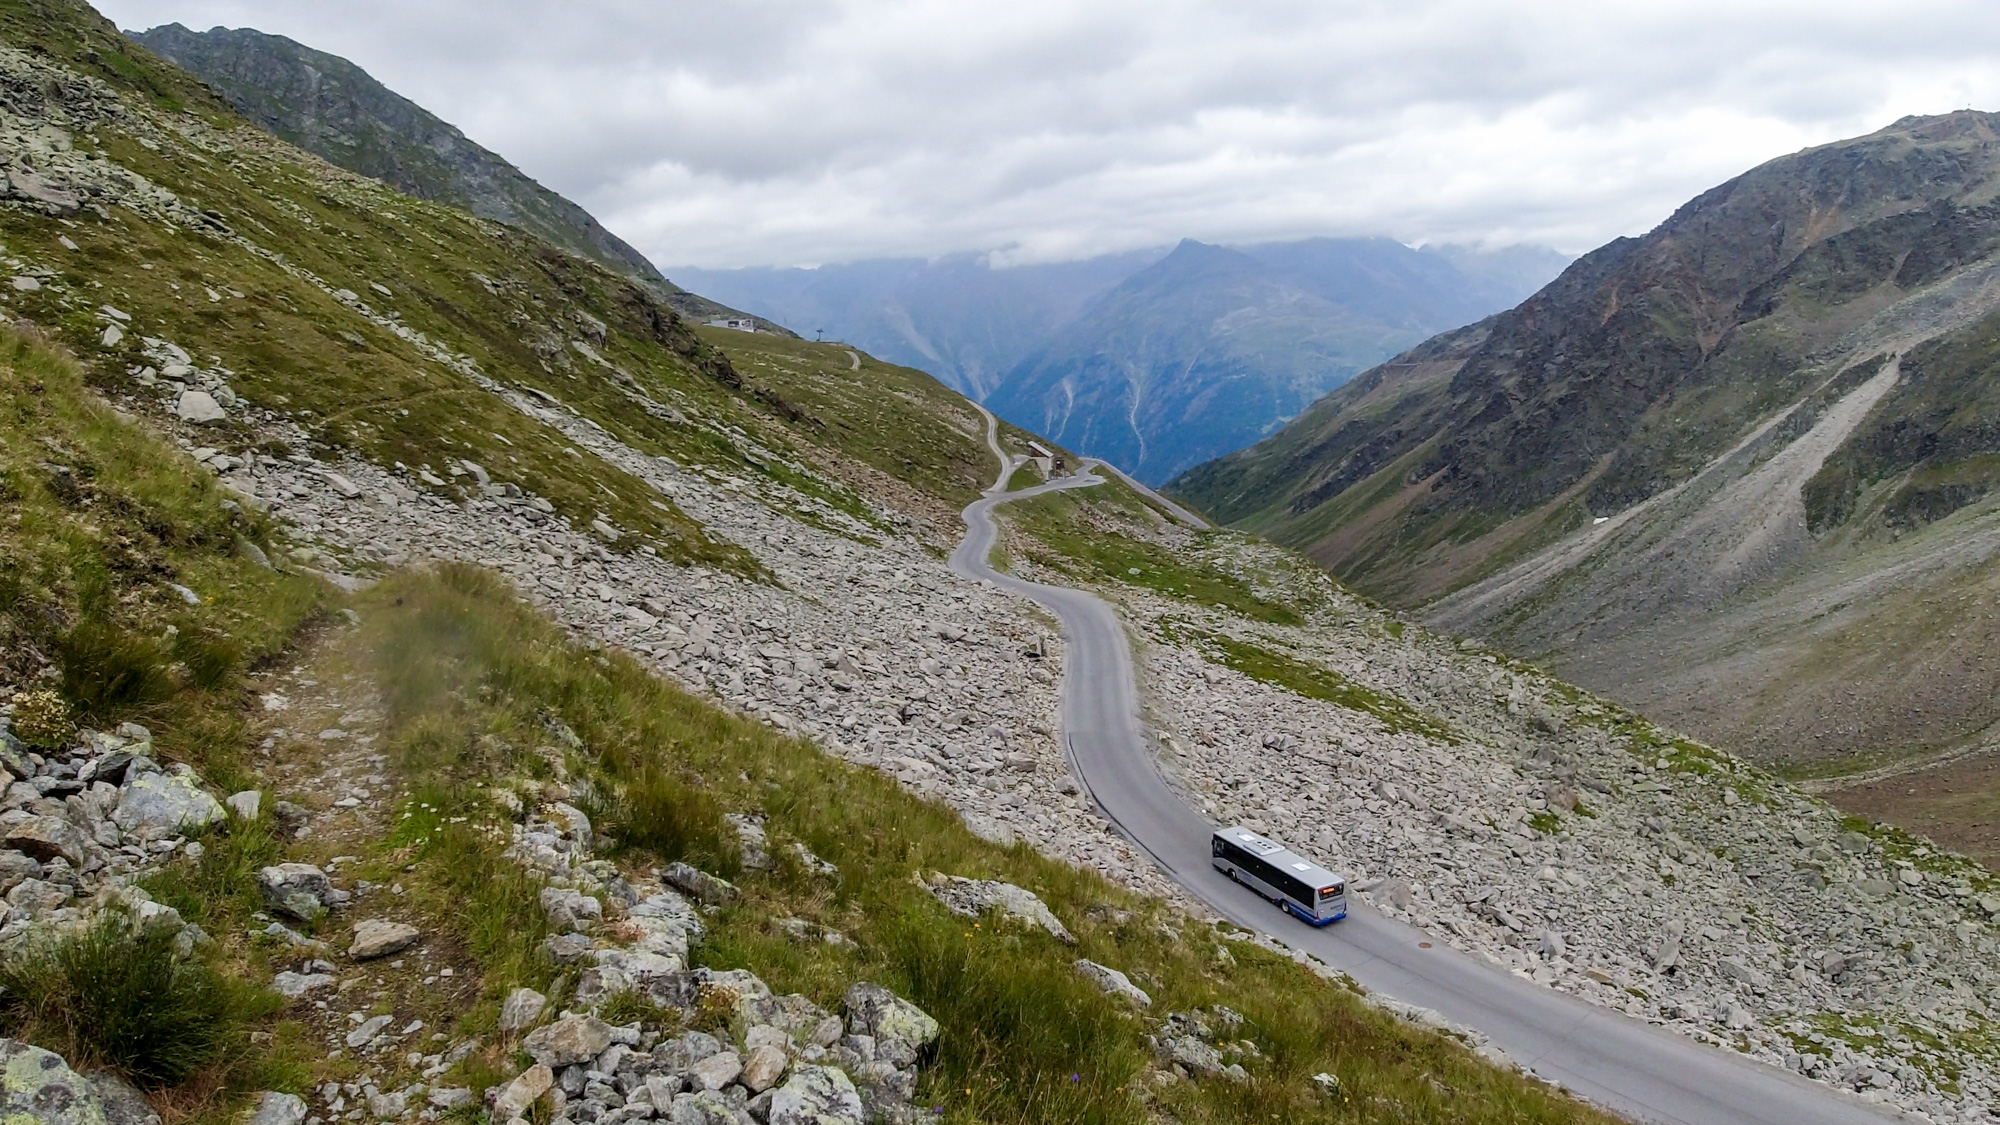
(160, 805)
(699, 884)
(50, 837)
(682, 1052)
(570, 1040)
(37, 1086)
(704, 1107)
(377, 938)
(764, 1067)
(1113, 982)
(569, 909)
(298, 890)
(521, 1009)
(817, 1095)
(199, 407)
(16, 868)
(274, 1108)
(901, 1030)
(716, 1071)
(123, 1103)
(969, 898)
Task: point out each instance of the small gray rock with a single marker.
(246, 804)
(123, 1103)
(274, 1108)
(699, 884)
(160, 805)
(901, 1030)
(368, 1029)
(37, 1086)
(199, 408)
(568, 1041)
(521, 1009)
(50, 837)
(816, 1095)
(292, 985)
(716, 1071)
(296, 890)
(1113, 982)
(377, 938)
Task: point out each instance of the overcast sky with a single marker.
(794, 132)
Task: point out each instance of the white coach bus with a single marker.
(1303, 888)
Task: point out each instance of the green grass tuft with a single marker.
(116, 995)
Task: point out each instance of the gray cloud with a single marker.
(804, 131)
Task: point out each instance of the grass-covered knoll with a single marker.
(477, 683)
(125, 568)
(1095, 534)
(898, 420)
(1314, 681)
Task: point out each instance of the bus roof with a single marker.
(1278, 855)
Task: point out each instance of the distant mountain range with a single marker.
(1153, 360)
(1743, 472)
(334, 109)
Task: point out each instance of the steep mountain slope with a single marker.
(955, 317)
(328, 106)
(1739, 472)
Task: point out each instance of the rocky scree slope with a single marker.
(334, 109)
(1723, 471)
(494, 406)
(1549, 831)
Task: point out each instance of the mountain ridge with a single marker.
(1720, 472)
(333, 108)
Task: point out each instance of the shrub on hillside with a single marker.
(106, 669)
(116, 995)
(41, 719)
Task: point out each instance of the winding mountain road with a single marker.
(1626, 1065)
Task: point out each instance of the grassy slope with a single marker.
(102, 522)
(898, 421)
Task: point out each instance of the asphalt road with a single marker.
(1626, 1065)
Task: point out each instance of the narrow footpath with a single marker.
(1631, 1067)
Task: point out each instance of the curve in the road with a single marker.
(1634, 1068)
